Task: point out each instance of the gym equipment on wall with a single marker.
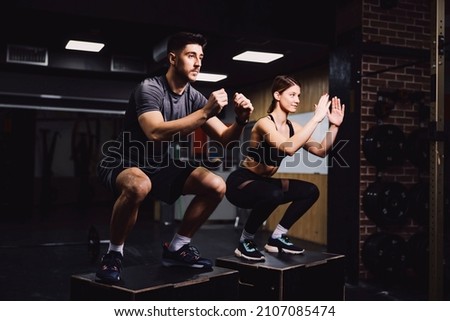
(437, 151)
(386, 203)
(384, 255)
(385, 103)
(383, 146)
(419, 203)
(417, 254)
(418, 141)
(417, 148)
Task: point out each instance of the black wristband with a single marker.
(240, 122)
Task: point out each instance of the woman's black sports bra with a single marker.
(269, 155)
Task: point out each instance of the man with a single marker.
(161, 109)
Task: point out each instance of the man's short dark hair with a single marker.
(179, 40)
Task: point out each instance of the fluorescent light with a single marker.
(203, 76)
(256, 56)
(84, 45)
(50, 96)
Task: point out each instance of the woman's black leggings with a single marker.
(263, 194)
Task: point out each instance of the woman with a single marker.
(273, 138)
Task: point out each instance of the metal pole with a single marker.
(436, 219)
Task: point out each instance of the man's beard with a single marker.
(182, 76)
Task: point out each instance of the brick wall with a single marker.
(399, 30)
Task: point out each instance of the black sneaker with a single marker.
(248, 250)
(110, 268)
(282, 244)
(187, 255)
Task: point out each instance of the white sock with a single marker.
(117, 248)
(178, 241)
(246, 236)
(279, 230)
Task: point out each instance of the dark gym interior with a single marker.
(385, 207)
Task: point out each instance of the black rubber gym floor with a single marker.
(39, 255)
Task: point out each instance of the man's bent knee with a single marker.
(134, 186)
(218, 187)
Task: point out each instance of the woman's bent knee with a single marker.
(314, 192)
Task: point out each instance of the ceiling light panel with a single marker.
(203, 76)
(84, 45)
(258, 56)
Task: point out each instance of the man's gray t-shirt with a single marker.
(154, 94)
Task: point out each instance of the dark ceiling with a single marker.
(301, 30)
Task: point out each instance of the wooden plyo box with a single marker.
(155, 282)
(309, 276)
